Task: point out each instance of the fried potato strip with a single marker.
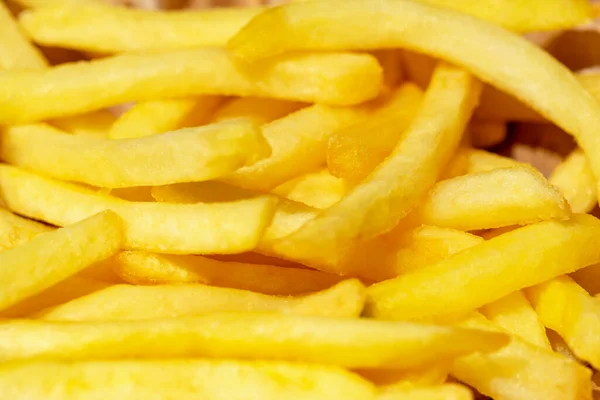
(575, 181)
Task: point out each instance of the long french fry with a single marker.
(575, 181)
(488, 271)
(169, 228)
(68, 89)
(54, 256)
(516, 65)
(15, 230)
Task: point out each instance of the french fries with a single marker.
(260, 110)
(15, 230)
(442, 392)
(17, 52)
(576, 182)
(317, 189)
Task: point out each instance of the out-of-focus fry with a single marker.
(515, 315)
(17, 51)
(366, 343)
(125, 302)
(500, 197)
(100, 28)
(191, 154)
(354, 152)
(258, 109)
(54, 256)
(575, 181)
(485, 134)
(143, 268)
(449, 391)
(97, 123)
(317, 189)
(566, 308)
(152, 117)
(332, 78)
(15, 230)
(396, 186)
(516, 65)
(588, 278)
(488, 271)
(169, 228)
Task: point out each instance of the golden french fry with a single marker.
(69, 89)
(100, 28)
(500, 197)
(15, 230)
(17, 52)
(52, 257)
(169, 228)
(398, 184)
(354, 152)
(588, 278)
(152, 117)
(96, 123)
(515, 315)
(521, 371)
(575, 181)
(488, 271)
(566, 308)
(516, 65)
(449, 391)
(367, 343)
(141, 268)
(485, 134)
(317, 189)
(186, 155)
(183, 378)
(259, 110)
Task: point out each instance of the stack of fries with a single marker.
(320, 200)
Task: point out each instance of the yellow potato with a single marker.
(16, 51)
(575, 181)
(169, 228)
(183, 378)
(515, 315)
(588, 278)
(108, 29)
(152, 117)
(243, 335)
(15, 230)
(449, 391)
(259, 110)
(515, 66)
(141, 268)
(520, 371)
(485, 134)
(52, 257)
(488, 271)
(501, 197)
(354, 152)
(334, 78)
(398, 184)
(186, 155)
(317, 189)
(566, 308)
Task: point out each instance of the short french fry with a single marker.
(169, 228)
(183, 378)
(354, 152)
(566, 308)
(398, 184)
(141, 268)
(52, 257)
(588, 278)
(186, 155)
(449, 391)
(334, 78)
(152, 117)
(243, 335)
(125, 302)
(259, 110)
(17, 52)
(501, 197)
(575, 181)
(488, 271)
(485, 134)
(316, 189)
(15, 230)
(515, 315)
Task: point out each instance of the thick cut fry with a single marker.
(354, 152)
(141, 268)
(17, 52)
(515, 315)
(516, 65)
(152, 117)
(333, 78)
(485, 134)
(96, 123)
(126, 302)
(180, 379)
(302, 135)
(566, 308)
(316, 189)
(168, 228)
(449, 391)
(339, 341)
(493, 199)
(396, 186)
(488, 271)
(575, 181)
(15, 230)
(101, 29)
(521, 371)
(588, 278)
(186, 155)
(259, 110)
(54, 256)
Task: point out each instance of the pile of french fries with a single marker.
(307, 201)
